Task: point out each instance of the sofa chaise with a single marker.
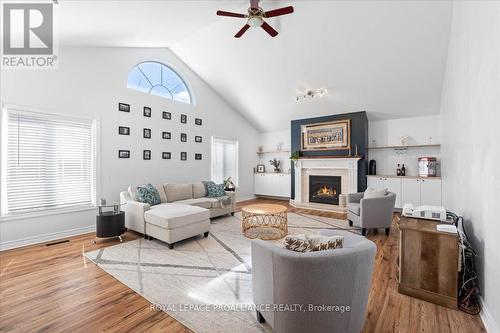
(184, 212)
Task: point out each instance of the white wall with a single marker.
(269, 141)
(419, 130)
(470, 123)
(90, 82)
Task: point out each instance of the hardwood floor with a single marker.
(55, 289)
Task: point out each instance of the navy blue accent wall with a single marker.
(359, 136)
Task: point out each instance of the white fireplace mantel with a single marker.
(347, 164)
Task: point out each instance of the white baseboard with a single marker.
(489, 322)
(245, 198)
(45, 238)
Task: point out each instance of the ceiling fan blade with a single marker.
(279, 12)
(254, 4)
(224, 13)
(270, 30)
(242, 31)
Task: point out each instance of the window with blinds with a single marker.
(49, 163)
(224, 160)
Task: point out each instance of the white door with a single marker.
(394, 185)
(377, 183)
(273, 184)
(430, 192)
(287, 185)
(259, 183)
(410, 191)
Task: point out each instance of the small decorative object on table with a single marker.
(276, 164)
(109, 224)
(279, 147)
(229, 185)
(261, 168)
(295, 157)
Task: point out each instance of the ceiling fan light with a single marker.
(255, 21)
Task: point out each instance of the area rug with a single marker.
(205, 283)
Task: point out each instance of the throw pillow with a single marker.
(148, 194)
(215, 190)
(320, 243)
(297, 243)
(372, 193)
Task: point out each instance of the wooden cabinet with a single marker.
(272, 184)
(428, 262)
(421, 191)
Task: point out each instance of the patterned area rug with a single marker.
(205, 283)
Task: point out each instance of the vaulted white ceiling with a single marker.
(385, 57)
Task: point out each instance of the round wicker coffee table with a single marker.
(264, 221)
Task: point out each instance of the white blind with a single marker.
(224, 160)
(49, 163)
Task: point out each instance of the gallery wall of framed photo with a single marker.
(189, 130)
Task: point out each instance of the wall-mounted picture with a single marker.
(261, 168)
(122, 130)
(197, 156)
(198, 121)
(184, 137)
(123, 153)
(166, 155)
(166, 135)
(184, 118)
(184, 156)
(198, 139)
(146, 154)
(147, 112)
(166, 115)
(146, 133)
(123, 107)
(326, 136)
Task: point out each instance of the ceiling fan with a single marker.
(256, 16)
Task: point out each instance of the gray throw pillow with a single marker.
(372, 193)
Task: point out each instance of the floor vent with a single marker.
(58, 242)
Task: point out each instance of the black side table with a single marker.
(110, 224)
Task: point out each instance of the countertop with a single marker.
(408, 177)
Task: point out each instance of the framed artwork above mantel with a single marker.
(333, 135)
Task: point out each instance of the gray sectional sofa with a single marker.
(184, 211)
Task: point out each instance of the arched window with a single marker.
(155, 78)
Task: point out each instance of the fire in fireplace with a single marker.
(325, 189)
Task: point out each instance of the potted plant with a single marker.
(276, 164)
(229, 185)
(295, 157)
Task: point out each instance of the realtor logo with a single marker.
(28, 35)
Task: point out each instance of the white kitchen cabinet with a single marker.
(422, 191)
(272, 184)
(430, 192)
(389, 183)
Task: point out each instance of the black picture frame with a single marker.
(123, 130)
(146, 154)
(147, 112)
(261, 168)
(146, 133)
(166, 115)
(166, 135)
(183, 156)
(184, 137)
(166, 155)
(198, 121)
(123, 153)
(123, 107)
(198, 156)
(184, 119)
(198, 139)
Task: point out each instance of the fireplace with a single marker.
(325, 189)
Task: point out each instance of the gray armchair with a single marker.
(339, 277)
(372, 212)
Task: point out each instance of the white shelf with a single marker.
(406, 147)
(272, 151)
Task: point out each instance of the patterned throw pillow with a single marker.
(215, 190)
(319, 243)
(148, 194)
(297, 243)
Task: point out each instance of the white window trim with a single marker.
(212, 154)
(22, 109)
